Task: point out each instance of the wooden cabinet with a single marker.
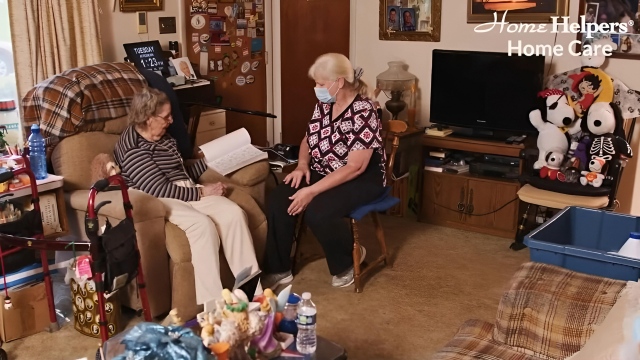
(212, 125)
(470, 202)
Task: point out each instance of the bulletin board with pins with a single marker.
(226, 44)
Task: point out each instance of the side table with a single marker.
(52, 205)
(326, 350)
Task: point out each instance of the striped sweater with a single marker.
(153, 167)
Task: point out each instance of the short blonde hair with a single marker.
(145, 104)
(332, 66)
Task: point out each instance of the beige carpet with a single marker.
(441, 277)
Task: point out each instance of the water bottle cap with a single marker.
(306, 296)
(634, 235)
(35, 128)
(293, 299)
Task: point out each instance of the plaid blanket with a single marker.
(547, 313)
(81, 96)
(473, 341)
(551, 312)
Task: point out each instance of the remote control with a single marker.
(510, 139)
(519, 139)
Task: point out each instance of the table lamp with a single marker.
(396, 80)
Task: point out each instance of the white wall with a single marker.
(119, 28)
(373, 54)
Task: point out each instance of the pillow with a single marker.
(614, 339)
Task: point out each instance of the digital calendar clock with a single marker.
(147, 55)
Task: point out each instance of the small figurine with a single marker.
(593, 177)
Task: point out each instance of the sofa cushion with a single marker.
(551, 312)
(614, 338)
(116, 126)
(473, 341)
(72, 157)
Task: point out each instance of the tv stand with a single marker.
(466, 201)
(483, 134)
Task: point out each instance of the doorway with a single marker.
(307, 29)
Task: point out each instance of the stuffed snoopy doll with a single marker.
(604, 121)
(552, 118)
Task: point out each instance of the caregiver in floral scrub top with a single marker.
(340, 168)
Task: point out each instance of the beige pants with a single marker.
(208, 223)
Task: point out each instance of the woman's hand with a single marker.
(295, 177)
(301, 200)
(217, 189)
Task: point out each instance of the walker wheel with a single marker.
(3, 355)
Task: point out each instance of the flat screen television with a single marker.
(488, 92)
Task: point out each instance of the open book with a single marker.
(231, 152)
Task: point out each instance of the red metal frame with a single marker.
(94, 247)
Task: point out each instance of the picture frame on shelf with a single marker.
(541, 11)
(611, 11)
(410, 20)
(141, 5)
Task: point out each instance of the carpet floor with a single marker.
(440, 278)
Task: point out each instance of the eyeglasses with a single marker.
(166, 118)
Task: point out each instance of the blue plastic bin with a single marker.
(583, 240)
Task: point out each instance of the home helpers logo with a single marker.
(559, 25)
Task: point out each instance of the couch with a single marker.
(547, 312)
(82, 112)
(164, 248)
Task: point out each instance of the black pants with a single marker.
(325, 217)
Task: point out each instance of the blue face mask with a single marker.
(324, 95)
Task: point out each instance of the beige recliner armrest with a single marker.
(248, 176)
(149, 221)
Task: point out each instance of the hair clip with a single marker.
(357, 73)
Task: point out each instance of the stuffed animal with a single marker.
(552, 117)
(103, 166)
(604, 121)
(552, 168)
(570, 170)
(594, 176)
(592, 84)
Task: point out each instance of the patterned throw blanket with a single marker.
(547, 313)
(81, 96)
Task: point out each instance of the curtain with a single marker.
(50, 36)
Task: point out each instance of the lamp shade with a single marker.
(395, 78)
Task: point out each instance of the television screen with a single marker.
(485, 90)
(147, 55)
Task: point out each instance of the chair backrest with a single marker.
(392, 129)
(618, 167)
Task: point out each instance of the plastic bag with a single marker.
(152, 341)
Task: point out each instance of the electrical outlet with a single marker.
(142, 22)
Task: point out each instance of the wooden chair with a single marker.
(385, 202)
(537, 192)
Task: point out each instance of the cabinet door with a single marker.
(485, 197)
(443, 198)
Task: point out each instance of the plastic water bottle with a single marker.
(37, 153)
(631, 248)
(306, 340)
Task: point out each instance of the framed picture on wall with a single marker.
(540, 11)
(140, 5)
(410, 20)
(612, 11)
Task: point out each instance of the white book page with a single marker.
(237, 159)
(215, 149)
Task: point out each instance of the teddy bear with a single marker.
(605, 123)
(103, 166)
(552, 168)
(552, 118)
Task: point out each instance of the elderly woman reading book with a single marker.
(150, 162)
